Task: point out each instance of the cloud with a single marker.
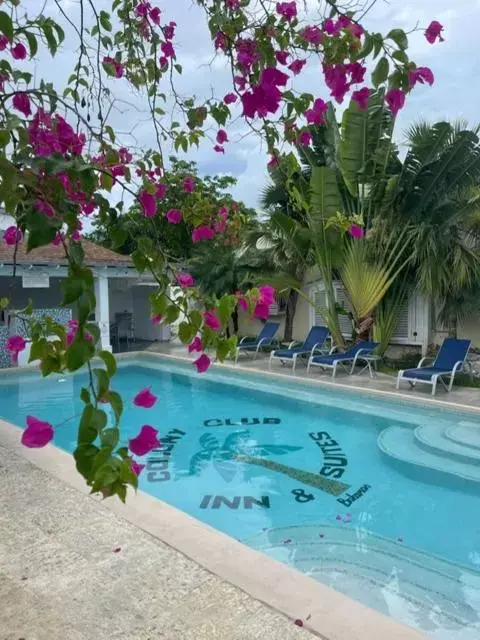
(455, 93)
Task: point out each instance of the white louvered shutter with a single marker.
(344, 321)
(402, 329)
(320, 299)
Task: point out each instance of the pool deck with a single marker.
(383, 385)
(73, 566)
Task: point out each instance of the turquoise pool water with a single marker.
(296, 472)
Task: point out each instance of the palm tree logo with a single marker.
(240, 447)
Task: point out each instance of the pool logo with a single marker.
(242, 422)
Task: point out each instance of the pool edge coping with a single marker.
(325, 612)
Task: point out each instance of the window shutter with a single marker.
(401, 330)
(320, 299)
(344, 321)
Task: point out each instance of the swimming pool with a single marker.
(333, 483)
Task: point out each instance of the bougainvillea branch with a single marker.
(53, 175)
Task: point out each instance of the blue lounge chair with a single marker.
(264, 339)
(314, 342)
(332, 361)
(449, 360)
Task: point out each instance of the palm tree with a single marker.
(240, 447)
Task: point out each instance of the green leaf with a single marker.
(399, 37)
(111, 134)
(225, 308)
(139, 261)
(224, 347)
(85, 395)
(6, 25)
(78, 353)
(377, 43)
(105, 21)
(4, 137)
(32, 43)
(186, 332)
(106, 181)
(172, 314)
(401, 56)
(325, 196)
(110, 438)
(116, 403)
(72, 289)
(109, 361)
(103, 381)
(38, 350)
(4, 302)
(60, 32)
(367, 46)
(84, 456)
(159, 303)
(196, 319)
(50, 38)
(380, 73)
(178, 68)
(92, 423)
(41, 232)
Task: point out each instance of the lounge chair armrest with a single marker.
(457, 365)
(292, 343)
(332, 350)
(317, 347)
(263, 341)
(423, 360)
(242, 340)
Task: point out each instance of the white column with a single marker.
(102, 312)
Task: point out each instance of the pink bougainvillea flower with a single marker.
(267, 294)
(264, 97)
(316, 115)
(222, 136)
(273, 162)
(261, 310)
(189, 184)
(298, 622)
(242, 302)
(185, 280)
(434, 31)
(45, 207)
(12, 235)
(21, 102)
(343, 22)
(230, 98)
(156, 319)
(336, 80)
(395, 99)
(136, 467)
(218, 149)
(296, 66)
(18, 51)
(273, 76)
(361, 97)
(3, 42)
(305, 138)
(223, 212)
(356, 231)
(117, 66)
(241, 82)
(58, 239)
(312, 34)
(330, 27)
(202, 363)
(287, 10)
(195, 345)
(148, 202)
(174, 216)
(422, 75)
(146, 440)
(202, 233)
(356, 30)
(221, 41)
(167, 49)
(169, 30)
(282, 57)
(142, 9)
(247, 53)
(357, 72)
(15, 344)
(220, 226)
(37, 434)
(211, 320)
(155, 15)
(161, 190)
(145, 398)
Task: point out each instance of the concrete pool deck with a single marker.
(172, 577)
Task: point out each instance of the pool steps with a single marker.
(406, 581)
(447, 449)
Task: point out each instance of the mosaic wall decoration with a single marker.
(18, 327)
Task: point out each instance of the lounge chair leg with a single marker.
(308, 366)
(270, 361)
(294, 363)
(399, 377)
(236, 355)
(434, 385)
(334, 373)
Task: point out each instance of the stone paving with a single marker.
(62, 579)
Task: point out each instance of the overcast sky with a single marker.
(455, 63)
